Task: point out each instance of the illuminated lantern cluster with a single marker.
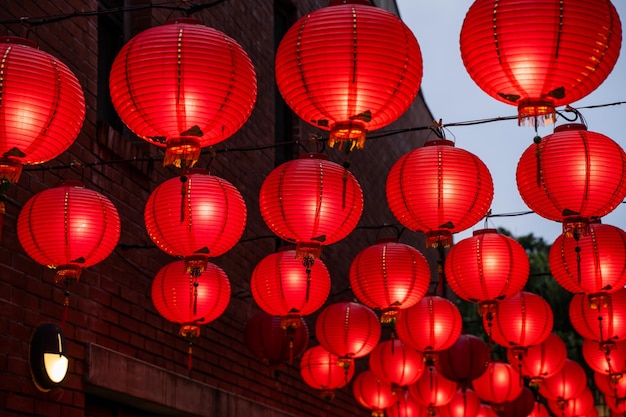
(271, 343)
(349, 68)
(195, 216)
(372, 393)
(540, 361)
(321, 370)
(561, 63)
(440, 190)
(579, 405)
(183, 86)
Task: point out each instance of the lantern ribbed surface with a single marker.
(281, 287)
(389, 276)
(433, 389)
(394, 363)
(540, 361)
(181, 301)
(598, 265)
(349, 68)
(580, 405)
(68, 226)
(465, 360)
(610, 386)
(616, 405)
(568, 383)
(43, 106)
(602, 320)
(371, 392)
(539, 410)
(439, 189)
(521, 406)
(465, 403)
(271, 343)
(605, 358)
(406, 406)
(183, 85)
(522, 320)
(486, 267)
(311, 201)
(486, 411)
(499, 383)
(539, 56)
(320, 370)
(347, 329)
(188, 217)
(433, 324)
(573, 171)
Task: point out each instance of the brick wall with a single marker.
(111, 306)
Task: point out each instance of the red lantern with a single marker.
(522, 406)
(406, 406)
(394, 363)
(439, 190)
(487, 267)
(311, 202)
(372, 393)
(196, 216)
(568, 383)
(602, 319)
(183, 86)
(572, 176)
(608, 357)
(464, 404)
(561, 63)
(540, 361)
(616, 405)
(498, 384)
(577, 406)
(349, 330)
(539, 410)
(43, 107)
(522, 320)
(282, 287)
(432, 389)
(271, 343)
(68, 228)
(389, 276)
(433, 324)
(594, 263)
(465, 360)
(610, 385)
(486, 411)
(349, 68)
(320, 370)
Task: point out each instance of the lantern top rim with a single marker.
(439, 142)
(18, 40)
(489, 231)
(342, 2)
(195, 171)
(570, 127)
(69, 183)
(183, 20)
(313, 155)
(286, 248)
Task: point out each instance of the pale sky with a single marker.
(453, 96)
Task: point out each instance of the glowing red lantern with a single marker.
(349, 330)
(311, 202)
(394, 363)
(465, 360)
(579, 405)
(594, 263)
(540, 361)
(521, 406)
(183, 86)
(568, 383)
(282, 287)
(498, 384)
(349, 68)
(271, 343)
(571, 176)
(522, 320)
(486, 411)
(562, 62)
(68, 228)
(610, 385)
(539, 410)
(606, 357)
(602, 319)
(389, 276)
(464, 404)
(372, 393)
(432, 389)
(439, 189)
(431, 325)
(320, 370)
(487, 267)
(616, 405)
(406, 406)
(196, 216)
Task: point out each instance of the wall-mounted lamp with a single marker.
(48, 359)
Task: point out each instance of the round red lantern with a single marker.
(396, 364)
(487, 267)
(539, 410)
(486, 411)
(195, 216)
(616, 405)
(183, 86)
(605, 357)
(282, 287)
(568, 383)
(389, 276)
(577, 406)
(610, 385)
(498, 384)
(349, 330)
(372, 393)
(432, 389)
(431, 325)
(439, 189)
(562, 62)
(540, 361)
(271, 343)
(68, 228)
(406, 406)
(320, 370)
(599, 318)
(349, 68)
(522, 406)
(571, 176)
(465, 360)
(311, 202)
(594, 263)
(522, 320)
(464, 404)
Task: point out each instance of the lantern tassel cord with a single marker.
(577, 249)
(66, 307)
(183, 196)
(308, 262)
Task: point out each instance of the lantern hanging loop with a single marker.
(577, 115)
